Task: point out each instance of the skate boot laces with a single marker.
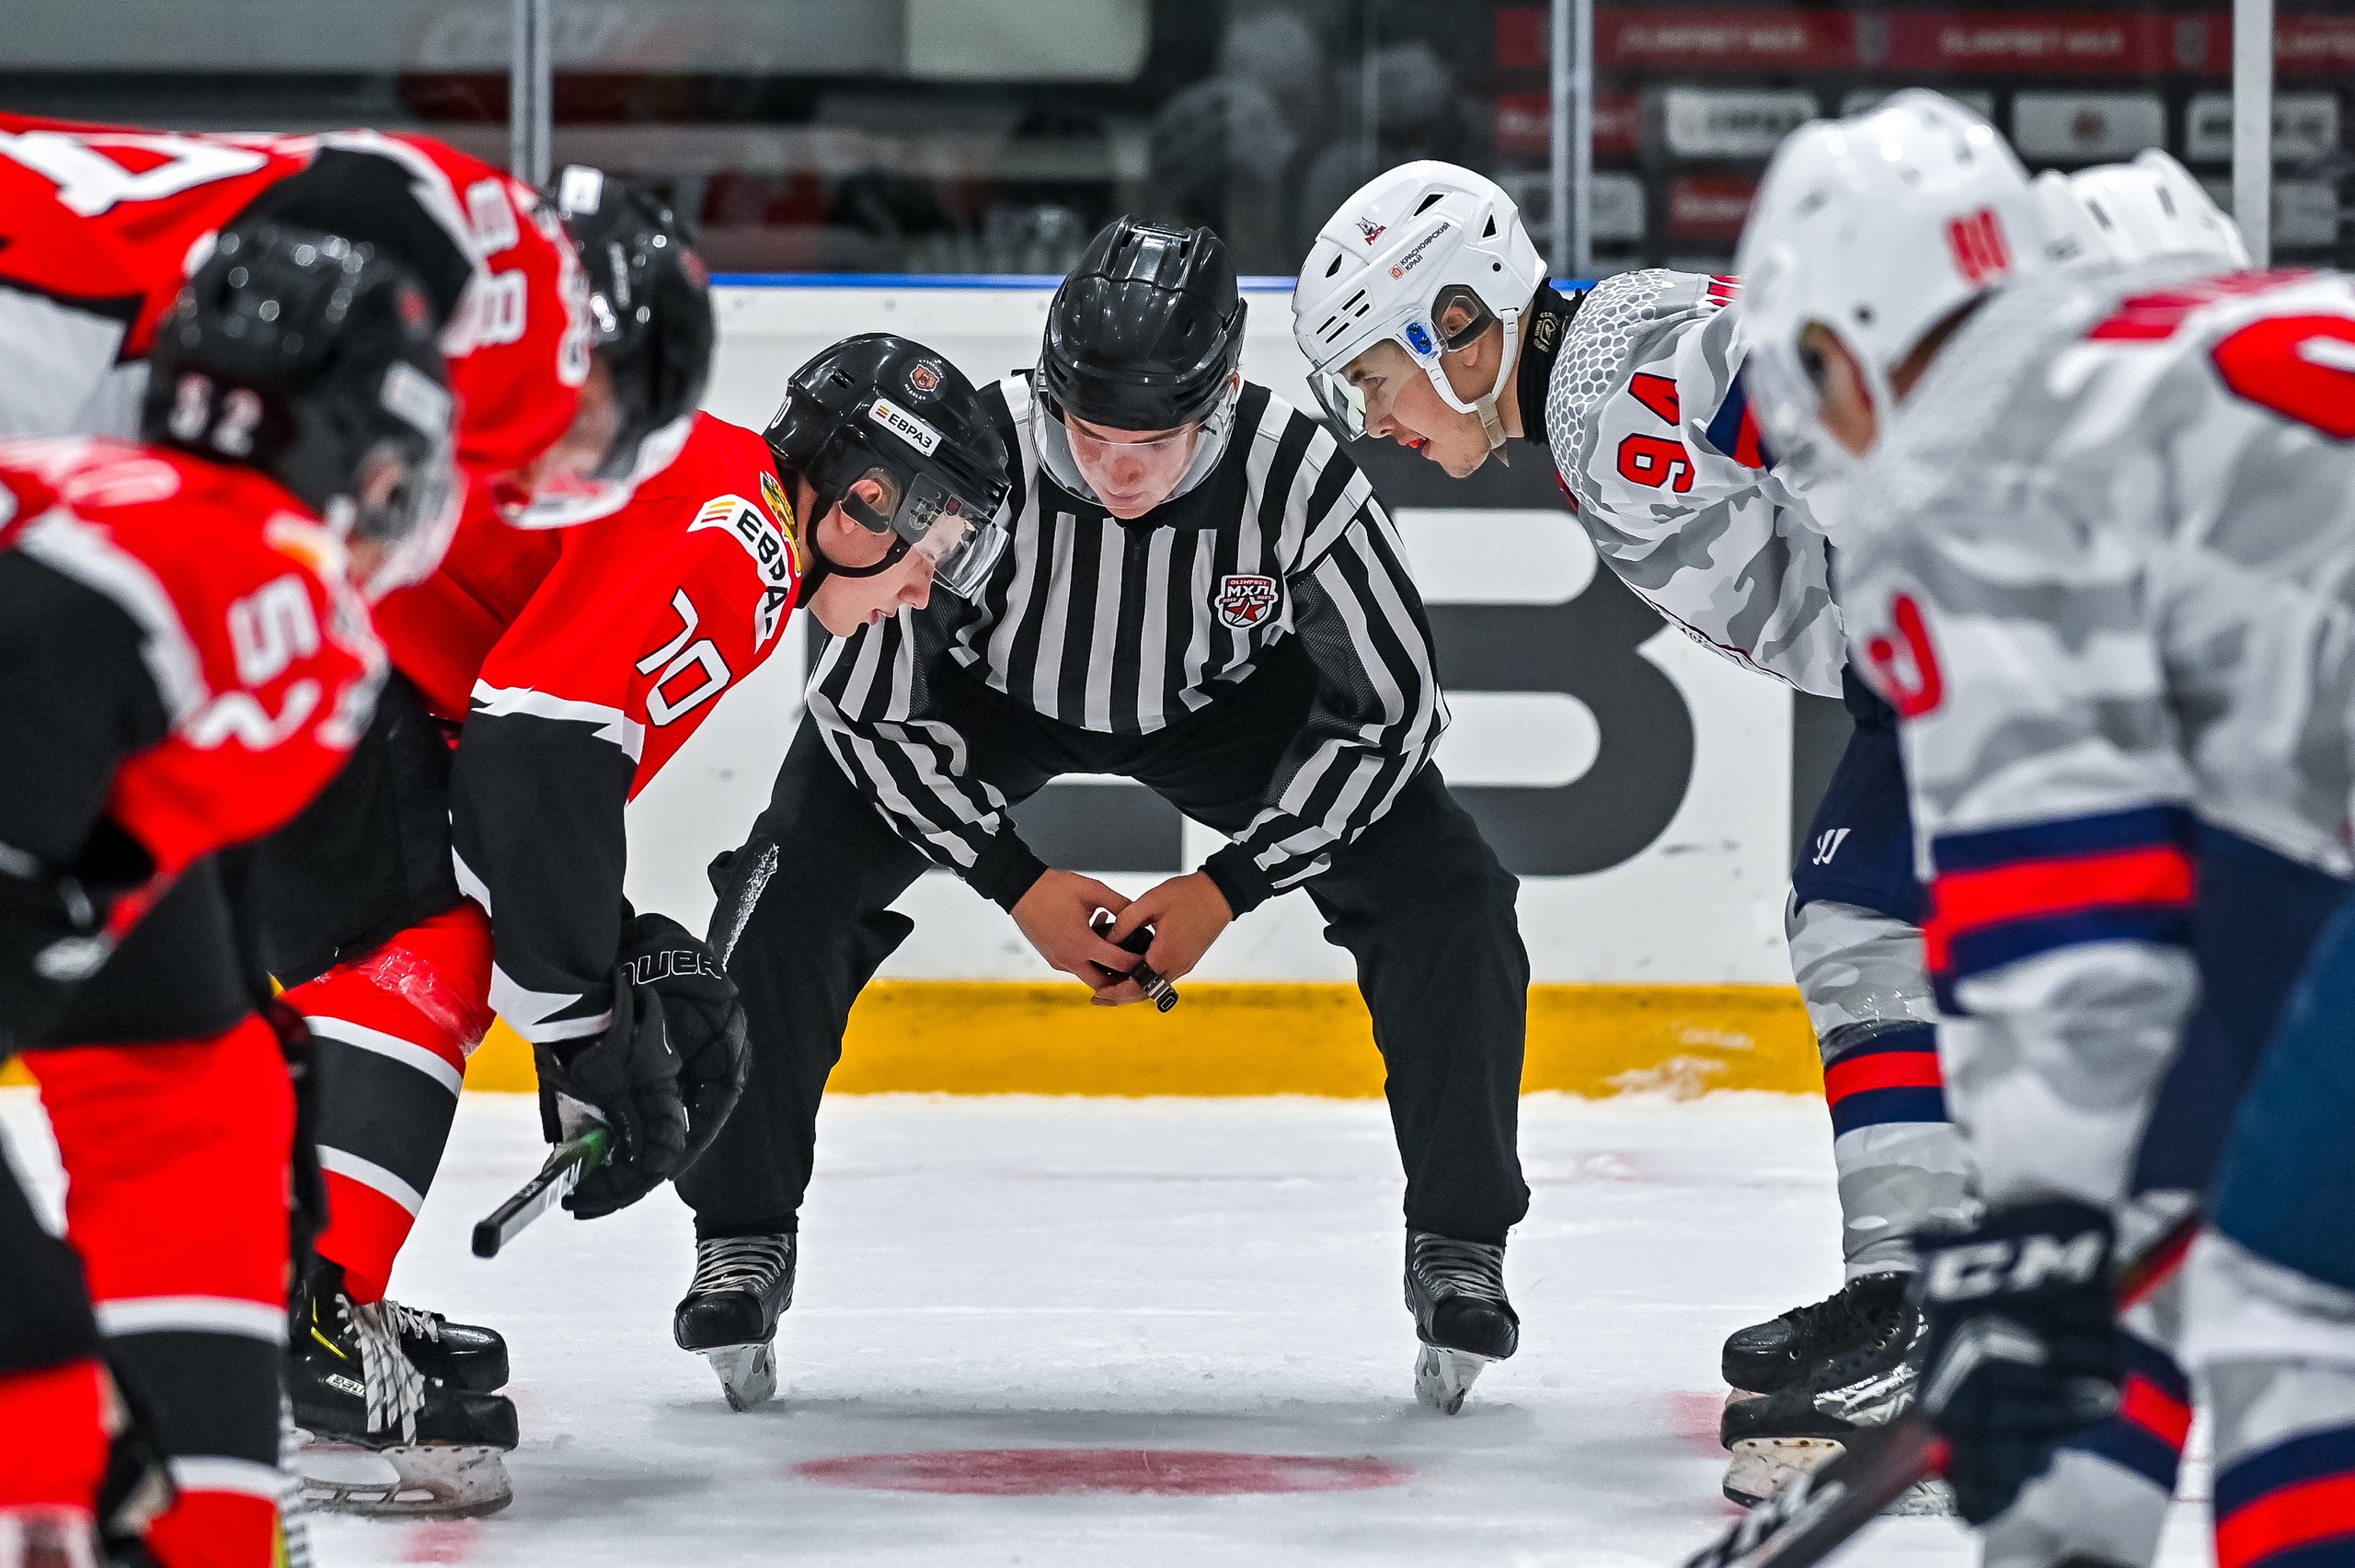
(395, 1385)
(738, 1263)
(406, 1320)
(1860, 1310)
(1445, 1267)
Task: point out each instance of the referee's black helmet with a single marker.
(1145, 332)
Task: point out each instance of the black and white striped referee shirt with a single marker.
(1122, 629)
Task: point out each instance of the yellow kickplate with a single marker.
(1011, 1037)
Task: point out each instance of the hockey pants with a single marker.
(2270, 1289)
(177, 1156)
(2261, 921)
(394, 1031)
(1419, 900)
(53, 1388)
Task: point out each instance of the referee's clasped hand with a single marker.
(1054, 916)
(1187, 913)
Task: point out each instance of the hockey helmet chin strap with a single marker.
(1491, 421)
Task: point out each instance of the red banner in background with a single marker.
(1692, 41)
(2078, 45)
(2089, 43)
(2308, 46)
(1708, 206)
(1524, 123)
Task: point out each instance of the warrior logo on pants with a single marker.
(1243, 601)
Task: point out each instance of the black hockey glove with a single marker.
(631, 1078)
(53, 926)
(705, 1019)
(2021, 1352)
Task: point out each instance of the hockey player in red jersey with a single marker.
(103, 223)
(185, 660)
(435, 886)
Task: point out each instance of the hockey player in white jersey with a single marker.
(2106, 584)
(1426, 317)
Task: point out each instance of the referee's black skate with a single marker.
(465, 1356)
(729, 1314)
(1456, 1291)
(1808, 1421)
(378, 1435)
(1768, 1357)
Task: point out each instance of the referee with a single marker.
(1200, 593)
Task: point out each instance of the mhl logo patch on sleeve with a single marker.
(1247, 601)
(772, 553)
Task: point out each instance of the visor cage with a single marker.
(926, 518)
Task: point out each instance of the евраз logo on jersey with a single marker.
(773, 555)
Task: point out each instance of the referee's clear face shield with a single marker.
(1129, 473)
(957, 541)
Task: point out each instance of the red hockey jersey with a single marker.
(263, 668)
(636, 625)
(102, 225)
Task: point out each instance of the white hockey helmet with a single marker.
(2136, 211)
(1409, 245)
(1877, 227)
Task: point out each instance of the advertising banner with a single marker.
(1637, 784)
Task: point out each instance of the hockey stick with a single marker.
(1819, 1513)
(567, 1164)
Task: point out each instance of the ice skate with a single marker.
(1768, 1357)
(379, 1435)
(464, 1355)
(1456, 1291)
(1805, 1424)
(730, 1313)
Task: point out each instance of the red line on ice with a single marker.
(1024, 1472)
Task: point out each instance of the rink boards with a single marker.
(1640, 785)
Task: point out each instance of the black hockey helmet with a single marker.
(882, 407)
(315, 361)
(650, 308)
(371, 199)
(1144, 334)
(1145, 331)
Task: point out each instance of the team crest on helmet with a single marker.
(1247, 601)
(924, 379)
(1372, 230)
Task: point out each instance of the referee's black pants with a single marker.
(1418, 899)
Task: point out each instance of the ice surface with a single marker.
(1170, 1274)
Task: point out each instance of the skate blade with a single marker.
(442, 1481)
(747, 1373)
(1443, 1376)
(1764, 1467)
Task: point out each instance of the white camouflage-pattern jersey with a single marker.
(2108, 591)
(1646, 422)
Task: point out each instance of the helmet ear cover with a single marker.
(1461, 305)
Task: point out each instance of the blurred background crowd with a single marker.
(994, 136)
